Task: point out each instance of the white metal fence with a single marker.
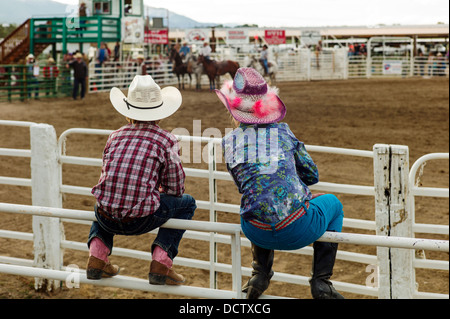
(301, 65)
(393, 190)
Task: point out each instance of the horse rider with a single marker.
(263, 59)
(184, 51)
(206, 51)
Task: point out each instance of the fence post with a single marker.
(48, 231)
(393, 218)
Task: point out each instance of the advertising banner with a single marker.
(132, 30)
(157, 36)
(197, 36)
(392, 67)
(237, 36)
(275, 36)
(311, 37)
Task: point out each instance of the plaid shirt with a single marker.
(139, 162)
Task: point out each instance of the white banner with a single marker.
(133, 30)
(237, 36)
(392, 67)
(310, 37)
(197, 36)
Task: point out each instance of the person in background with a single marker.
(184, 51)
(102, 54)
(205, 51)
(50, 72)
(80, 75)
(141, 65)
(263, 58)
(32, 73)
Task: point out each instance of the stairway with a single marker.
(16, 46)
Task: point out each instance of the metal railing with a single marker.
(210, 231)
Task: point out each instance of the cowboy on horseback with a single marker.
(206, 51)
(263, 59)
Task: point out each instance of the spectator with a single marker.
(80, 75)
(142, 67)
(117, 51)
(50, 72)
(102, 55)
(32, 73)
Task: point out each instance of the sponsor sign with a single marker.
(275, 36)
(391, 67)
(310, 37)
(132, 30)
(197, 36)
(157, 36)
(237, 36)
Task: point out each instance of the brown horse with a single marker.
(180, 69)
(217, 68)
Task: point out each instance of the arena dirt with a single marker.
(352, 114)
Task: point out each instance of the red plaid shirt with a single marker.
(139, 161)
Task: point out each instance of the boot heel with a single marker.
(155, 279)
(254, 293)
(94, 274)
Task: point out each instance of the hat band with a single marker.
(141, 108)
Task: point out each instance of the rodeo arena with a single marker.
(369, 103)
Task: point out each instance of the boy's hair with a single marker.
(132, 121)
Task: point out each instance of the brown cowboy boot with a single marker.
(261, 274)
(162, 275)
(97, 269)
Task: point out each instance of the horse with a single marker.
(217, 68)
(252, 62)
(195, 67)
(180, 68)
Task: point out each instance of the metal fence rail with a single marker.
(22, 82)
(215, 233)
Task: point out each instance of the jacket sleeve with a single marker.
(304, 164)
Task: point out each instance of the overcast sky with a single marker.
(300, 13)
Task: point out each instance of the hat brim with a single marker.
(171, 98)
(251, 118)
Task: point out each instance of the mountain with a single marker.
(25, 9)
(177, 21)
(17, 11)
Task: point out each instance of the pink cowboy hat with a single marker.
(250, 100)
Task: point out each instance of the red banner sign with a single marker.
(157, 36)
(275, 36)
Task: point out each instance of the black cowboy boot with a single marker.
(261, 274)
(323, 262)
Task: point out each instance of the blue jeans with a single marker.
(182, 207)
(325, 213)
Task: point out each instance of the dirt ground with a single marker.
(352, 114)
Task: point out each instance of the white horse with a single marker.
(197, 68)
(252, 62)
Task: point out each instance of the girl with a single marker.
(272, 171)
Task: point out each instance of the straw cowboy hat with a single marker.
(250, 100)
(146, 101)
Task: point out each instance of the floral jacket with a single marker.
(271, 169)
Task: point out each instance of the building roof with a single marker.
(421, 31)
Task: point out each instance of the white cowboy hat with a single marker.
(146, 101)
